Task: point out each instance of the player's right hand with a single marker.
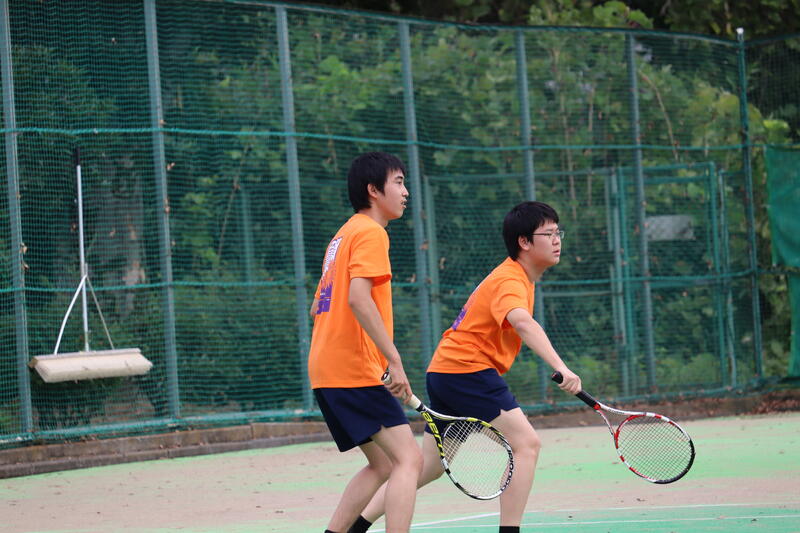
(571, 382)
(397, 383)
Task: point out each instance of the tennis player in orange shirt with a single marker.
(464, 376)
(352, 344)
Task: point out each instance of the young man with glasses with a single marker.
(464, 376)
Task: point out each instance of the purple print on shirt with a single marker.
(459, 318)
(328, 275)
(463, 313)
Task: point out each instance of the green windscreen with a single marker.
(783, 180)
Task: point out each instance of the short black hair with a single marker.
(369, 168)
(522, 221)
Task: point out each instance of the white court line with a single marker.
(649, 508)
(449, 520)
(691, 506)
(654, 520)
(603, 522)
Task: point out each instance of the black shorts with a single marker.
(481, 394)
(353, 415)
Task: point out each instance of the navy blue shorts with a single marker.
(479, 394)
(355, 414)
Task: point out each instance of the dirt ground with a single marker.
(90, 452)
(294, 489)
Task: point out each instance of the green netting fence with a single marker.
(216, 137)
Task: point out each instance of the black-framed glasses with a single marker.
(558, 233)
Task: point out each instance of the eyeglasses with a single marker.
(553, 235)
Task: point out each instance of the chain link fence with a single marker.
(216, 137)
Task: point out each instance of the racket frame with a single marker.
(429, 415)
(599, 407)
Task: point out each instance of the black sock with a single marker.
(509, 529)
(360, 526)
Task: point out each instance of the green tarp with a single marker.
(783, 186)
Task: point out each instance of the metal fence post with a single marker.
(433, 265)
(631, 339)
(730, 327)
(417, 192)
(247, 236)
(525, 116)
(617, 277)
(529, 172)
(162, 192)
(751, 219)
(641, 203)
(293, 169)
(15, 223)
(719, 283)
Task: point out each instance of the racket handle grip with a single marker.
(412, 402)
(585, 397)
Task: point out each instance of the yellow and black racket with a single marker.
(474, 454)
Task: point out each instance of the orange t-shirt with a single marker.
(481, 337)
(342, 354)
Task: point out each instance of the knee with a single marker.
(418, 461)
(530, 445)
(382, 469)
(412, 461)
(433, 472)
(536, 444)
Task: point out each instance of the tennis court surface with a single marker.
(746, 478)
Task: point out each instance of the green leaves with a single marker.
(610, 14)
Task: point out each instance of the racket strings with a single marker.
(654, 448)
(477, 458)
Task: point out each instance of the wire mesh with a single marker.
(204, 258)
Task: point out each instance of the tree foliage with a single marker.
(716, 17)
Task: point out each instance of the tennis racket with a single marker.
(651, 445)
(475, 455)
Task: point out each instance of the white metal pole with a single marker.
(84, 270)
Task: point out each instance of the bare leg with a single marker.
(361, 487)
(526, 444)
(401, 487)
(431, 470)
(393, 454)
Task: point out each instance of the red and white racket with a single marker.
(651, 445)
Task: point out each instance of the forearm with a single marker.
(536, 339)
(370, 319)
